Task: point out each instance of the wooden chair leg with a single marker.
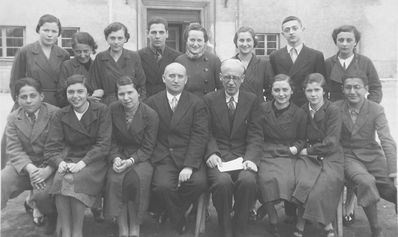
(339, 217)
(201, 215)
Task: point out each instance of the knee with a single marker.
(199, 183)
(247, 179)
(161, 187)
(222, 181)
(364, 180)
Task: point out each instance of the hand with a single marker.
(122, 167)
(117, 161)
(63, 167)
(39, 186)
(76, 167)
(249, 165)
(41, 175)
(98, 93)
(293, 150)
(213, 161)
(304, 152)
(185, 175)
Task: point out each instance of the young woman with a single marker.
(284, 126)
(80, 139)
(114, 63)
(320, 167)
(135, 127)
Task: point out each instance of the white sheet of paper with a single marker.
(236, 164)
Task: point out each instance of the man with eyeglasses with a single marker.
(370, 167)
(234, 132)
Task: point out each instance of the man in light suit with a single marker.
(369, 166)
(296, 60)
(234, 133)
(157, 55)
(179, 171)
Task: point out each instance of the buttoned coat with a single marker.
(244, 137)
(335, 73)
(203, 73)
(105, 72)
(87, 140)
(137, 141)
(182, 135)
(307, 62)
(30, 61)
(154, 70)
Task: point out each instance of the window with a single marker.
(11, 39)
(266, 44)
(66, 38)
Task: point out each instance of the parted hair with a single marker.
(84, 38)
(27, 81)
(198, 27)
(116, 26)
(346, 28)
(47, 18)
(245, 29)
(158, 20)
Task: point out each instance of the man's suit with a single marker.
(153, 69)
(181, 142)
(242, 138)
(308, 61)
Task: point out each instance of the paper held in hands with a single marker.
(236, 164)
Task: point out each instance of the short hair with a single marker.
(77, 78)
(116, 26)
(195, 26)
(292, 18)
(346, 28)
(282, 77)
(315, 77)
(242, 30)
(158, 20)
(84, 38)
(356, 74)
(47, 18)
(27, 81)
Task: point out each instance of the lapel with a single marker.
(337, 72)
(362, 117)
(286, 59)
(23, 123)
(347, 121)
(41, 122)
(319, 116)
(71, 120)
(300, 62)
(164, 107)
(183, 105)
(241, 111)
(41, 60)
(118, 118)
(165, 59)
(221, 110)
(138, 122)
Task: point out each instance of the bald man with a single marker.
(179, 171)
(235, 132)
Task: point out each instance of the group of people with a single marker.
(154, 127)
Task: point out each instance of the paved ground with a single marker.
(16, 223)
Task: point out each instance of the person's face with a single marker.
(29, 99)
(346, 43)
(232, 78)
(82, 52)
(48, 33)
(128, 95)
(175, 78)
(77, 95)
(281, 91)
(157, 35)
(314, 93)
(195, 41)
(292, 31)
(245, 42)
(116, 40)
(354, 90)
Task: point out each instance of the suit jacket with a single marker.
(30, 61)
(244, 137)
(335, 73)
(154, 70)
(307, 62)
(359, 138)
(25, 143)
(182, 135)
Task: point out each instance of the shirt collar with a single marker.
(315, 108)
(357, 109)
(347, 60)
(154, 49)
(170, 96)
(298, 48)
(228, 97)
(36, 113)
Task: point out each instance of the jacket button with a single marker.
(206, 81)
(171, 149)
(206, 69)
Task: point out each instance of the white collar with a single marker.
(228, 97)
(170, 97)
(36, 113)
(347, 61)
(298, 48)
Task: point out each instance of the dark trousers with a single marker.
(242, 186)
(131, 184)
(177, 199)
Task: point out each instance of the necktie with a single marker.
(173, 103)
(344, 66)
(158, 55)
(231, 105)
(354, 115)
(32, 117)
(293, 54)
(312, 113)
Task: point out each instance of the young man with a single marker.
(369, 166)
(296, 60)
(234, 133)
(157, 55)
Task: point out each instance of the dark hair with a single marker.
(125, 80)
(346, 28)
(27, 81)
(356, 74)
(315, 77)
(242, 30)
(195, 26)
(292, 18)
(282, 77)
(158, 20)
(77, 78)
(116, 26)
(48, 19)
(84, 38)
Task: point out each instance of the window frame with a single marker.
(3, 39)
(265, 48)
(61, 38)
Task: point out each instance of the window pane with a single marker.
(171, 44)
(68, 33)
(14, 32)
(11, 52)
(260, 37)
(260, 45)
(66, 43)
(271, 45)
(271, 37)
(14, 42)
(260, 51)
(269, 51)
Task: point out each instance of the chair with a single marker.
(339, 216)
(201, 214)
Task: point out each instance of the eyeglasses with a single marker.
(355, 87)
(229, 77)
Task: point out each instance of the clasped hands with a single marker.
(38, 176)
(120, 165)
(64, 167)
(214, 160)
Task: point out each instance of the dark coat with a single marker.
(182, 135)
(30, 61)
(105, 71)
(335, 73)
(88, 140)
(244, 137)
(307, 62)
(154, 70)
(203, 73)
(137, 141)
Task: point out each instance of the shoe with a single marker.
(28, 208)
(349, 219)
(97, 214)
(51, 224)
(261, 212)
(330, 233)
(274, 230)
(298, 233)
(162, 218)
(182, 226)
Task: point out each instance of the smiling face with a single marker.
(157, 35)
(346, 43)
(354, 90)
(245, 43)
(128, 95)
(48, 33)
(292, 31)
(282, 91)
(116, 40)
(29, 99)
(195, 41)
(82, 52)
(77, 95)
(175, 78)
(314, 93)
